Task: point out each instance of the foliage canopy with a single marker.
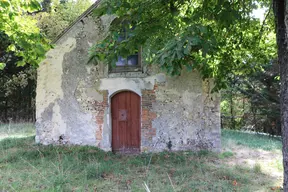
(217, 38)
(18, 83)
(61, 15)
(26, 40)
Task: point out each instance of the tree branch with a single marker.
(264, 22)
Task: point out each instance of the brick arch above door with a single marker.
(115, 92)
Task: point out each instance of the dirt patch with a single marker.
(267, 162)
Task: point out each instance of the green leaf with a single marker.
(40, 49)
(4, 4)
(187, 49)
(2, 66)
(21, 63)
(11, 15)
(11, 47)
(99, 11)
(35, 5)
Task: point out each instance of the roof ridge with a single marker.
(84, 14)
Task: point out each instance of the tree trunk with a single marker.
(6, 109)
(281, 21)
(232, 120)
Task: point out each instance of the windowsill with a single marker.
(121, 69)
(127, 72)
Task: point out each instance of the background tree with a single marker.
(22, 31)
(253, 102)
(281, 14)
(61, 15)
(18, 83)
(21, 44)
(17, 86)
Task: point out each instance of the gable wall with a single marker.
(73, 99)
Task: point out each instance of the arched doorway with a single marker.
(126, 119)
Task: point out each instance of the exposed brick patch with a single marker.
(148, 98)
(99, 133)
(100, 111)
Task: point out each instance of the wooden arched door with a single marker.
(125, 111)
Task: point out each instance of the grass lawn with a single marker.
(25, 166)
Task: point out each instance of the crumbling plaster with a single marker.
(187, 118)
(49, 92)
(59, 117)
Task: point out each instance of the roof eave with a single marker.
(82, 16)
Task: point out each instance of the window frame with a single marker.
(129, 68)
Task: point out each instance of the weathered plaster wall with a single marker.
(183, 115)
(73, 99)
(50, 123)
(66, 88)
